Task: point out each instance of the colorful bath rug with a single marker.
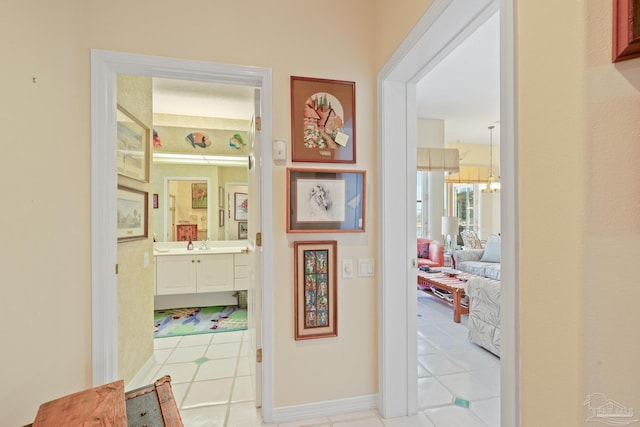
(198, 320)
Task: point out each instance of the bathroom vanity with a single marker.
(211, 274)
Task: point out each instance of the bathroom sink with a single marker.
(198, 250)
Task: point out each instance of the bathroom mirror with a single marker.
(194, 195)
(200, 141)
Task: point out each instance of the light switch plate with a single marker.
(279, 149)
(347, 268)
(365, 267)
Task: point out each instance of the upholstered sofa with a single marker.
(484, 313)
(430, 253)
(471, 261)
(483, 292)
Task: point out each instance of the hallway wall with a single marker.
(48, 266)
(577, 151)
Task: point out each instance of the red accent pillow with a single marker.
(423, 250)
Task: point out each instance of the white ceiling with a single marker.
(463, 90)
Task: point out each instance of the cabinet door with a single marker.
(176, 274)
(215, 272)
(241, 271)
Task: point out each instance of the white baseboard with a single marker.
(325, 408)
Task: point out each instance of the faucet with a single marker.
(204, 244)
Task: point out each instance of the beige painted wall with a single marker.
(45, 262)
(576, 313)
(476, 154)
(612, 240)
(393, 21)
(48, 125)
(553, 169)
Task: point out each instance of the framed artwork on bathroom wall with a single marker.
(241, 206)
(325, 200)
(243, 230)
(315, 292)
(323, 120)
(133, 214)
(626, 30)
(132, 146)
(199, 195)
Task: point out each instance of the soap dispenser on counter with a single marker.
(190, 245)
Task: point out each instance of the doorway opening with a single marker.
(445, 24)
(105, 66)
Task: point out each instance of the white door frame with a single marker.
(105, 66)
(445, 24)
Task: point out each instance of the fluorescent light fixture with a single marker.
(200, 159)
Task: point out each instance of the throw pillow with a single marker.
(423, 249)
(491, 249)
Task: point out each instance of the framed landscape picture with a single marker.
(315, 293)
(132, 214)
(132, 146)
(324, 200)
(323, 120)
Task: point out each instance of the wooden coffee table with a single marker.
(445, 282)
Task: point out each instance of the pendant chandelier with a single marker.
(491, 178)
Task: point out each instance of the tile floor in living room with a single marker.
(458, 382)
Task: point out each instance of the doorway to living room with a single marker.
(444, 26)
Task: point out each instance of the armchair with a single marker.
(470, 240)
(430, 252)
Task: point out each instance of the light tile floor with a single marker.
(458, 382)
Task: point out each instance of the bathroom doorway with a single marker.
(105, 66)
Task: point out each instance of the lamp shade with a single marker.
(449, 225)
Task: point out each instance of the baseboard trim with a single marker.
(325, 408)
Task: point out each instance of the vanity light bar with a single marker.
(197, 159)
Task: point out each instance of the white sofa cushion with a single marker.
(477, 268)
(491, 249)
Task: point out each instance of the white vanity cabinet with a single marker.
(188, 274)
